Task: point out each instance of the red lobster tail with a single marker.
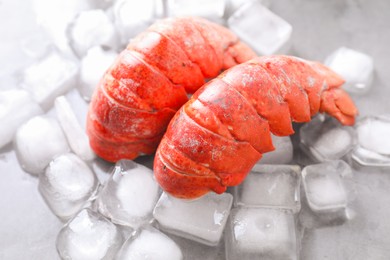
(226, 126)
(150, 79)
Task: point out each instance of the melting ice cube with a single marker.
(260, 28)
(202, 220)
(37, 142)
(129, 196)
(150, 243)
(355, 67)
(275, 186)
(88, 236)
(260, 233)
(67, 184)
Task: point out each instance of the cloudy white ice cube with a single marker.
(37, 142)
(282, 154)
(357, 68)
(272, 186)
(16, 107)
(373, 145)
(149, 243)
(201, 220)
(325, 139)
(93, 65)
(50, 77)
(261, 233)
(92, 28)
(88, 236)
(67, 184)
(74, 132)
(129, 195)
(260, 28)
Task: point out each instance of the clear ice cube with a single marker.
(373, 148)
(149, 243)
(93, 65)
(260, 28)
(50, 77)
(261, 233)
(67, 184)
(88, 236)
(92, 28)
(212, 10)
(272, 186)
(282, 154)
(202, 220)
(130, 194)
(75, 134)
(16, 107)
(37, 142)
(357, 68)
(325, 139)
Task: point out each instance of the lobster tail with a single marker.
(149, 82)
(217, 137)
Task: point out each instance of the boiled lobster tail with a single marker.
(214, 140)
(149, 81)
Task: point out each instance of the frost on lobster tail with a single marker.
(214, 140)
(149, 81)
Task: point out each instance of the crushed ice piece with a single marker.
(373, 148)
(260, 28)
(88, 236)
(325, 139)
(272, 186)
(130, 194)
(93, 65)
(75, 134)
(92, 28)
(260, 233)
(131, 18)
(50, 77)
(16, 107)
(37, 142)
(212, 10)
(357, 68)
(67, 184)
(283, 153)
(202, 220)
(149, 243)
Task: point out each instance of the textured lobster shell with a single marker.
(149, 81)
(214, 140)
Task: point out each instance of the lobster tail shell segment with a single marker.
(216, 138)
(150, 80)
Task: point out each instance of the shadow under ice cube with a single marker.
(260, 233)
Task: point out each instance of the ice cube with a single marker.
(323, 185)
(273, 186)
(202, 220)
(260, 28)
(282, 154)
(357, 68)
(260, 233)
(131, 18)
(234, 5)
(149, 243)
(67, 184)
(79, 105)
(373, 147)
(37, 142)
(88, 236)
(212, 10)
(92, 28)
(16, 107)
(75, 134)
(93, 66)
(37, 45)
(129, 196)
(50, 77)
(325, 139)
